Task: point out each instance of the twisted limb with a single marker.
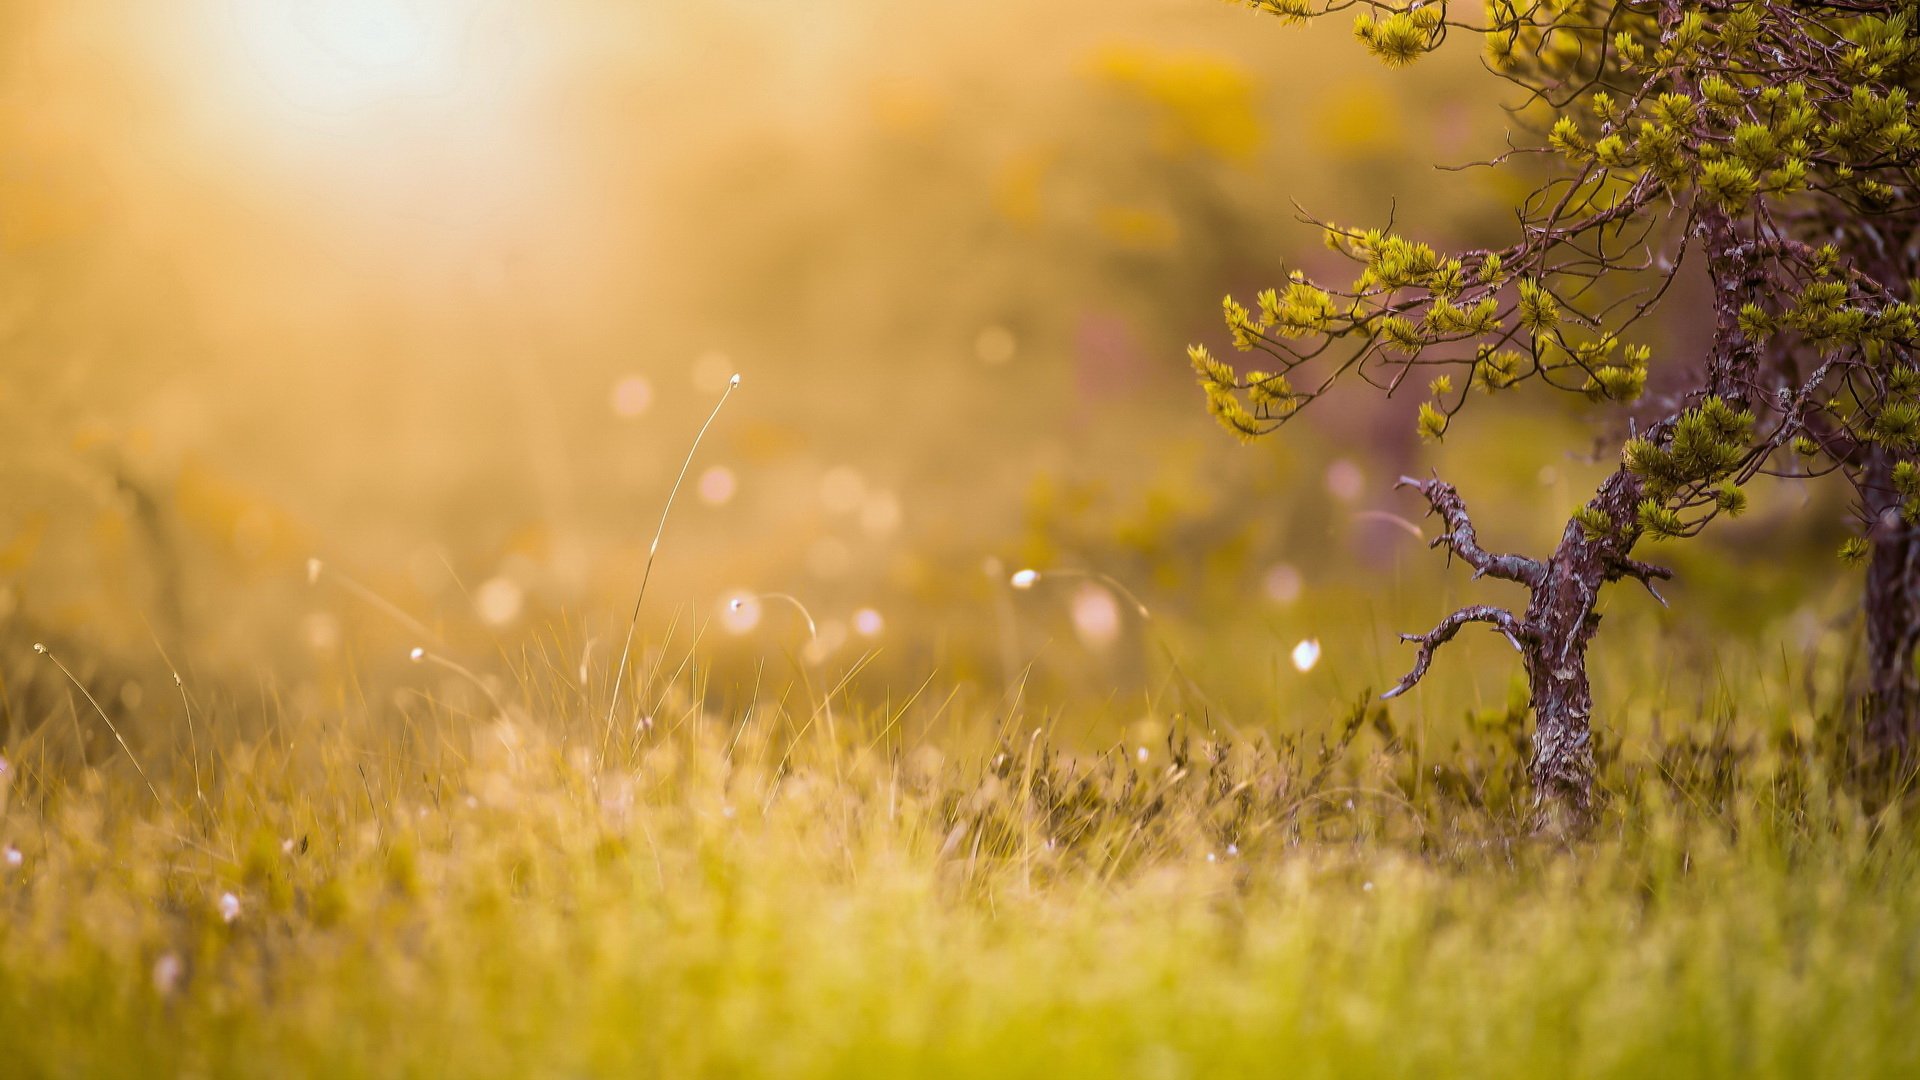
(1462, 542)
(1512, 626)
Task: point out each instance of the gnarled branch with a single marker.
(1460, 539)
(1514, 627)
(1642, 572)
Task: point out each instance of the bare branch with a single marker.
(1644, 573)
(1503, 620)
(1461, 540)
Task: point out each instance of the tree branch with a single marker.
(1503, 620)
(1644, 573)
(1461, 540)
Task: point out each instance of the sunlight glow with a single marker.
(364, 118)
(340, 55)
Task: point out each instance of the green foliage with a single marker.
(1903, 382)
(1497, 369)
(1566, 138)
(1286, 10)
(1394, 262)
(1896, 426)
(1677, 111)
(1660, 521)
(1766, 138)
(1539, 311)
(1301, 311)
(1730, 184)
(1240, 325)
(1215, 375)
(1446, 320)
(1399, 333)
(1906, 479)
(1594, 523)
(1272, 396)
(1730, 499)
(1619, 382)
(1272, 391)
(1708, 443)
(1400, 37)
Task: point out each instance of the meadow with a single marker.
(387, 690)
(798, 886)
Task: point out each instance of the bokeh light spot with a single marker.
(1306, 654)
(842, 489)
(498, 601)
(1282, 583)
(717, 486)
(631, 397)
(740, 613)
(322, 631)
(1345, 481)
(880, 514)
(995, 345)
(1096, 616)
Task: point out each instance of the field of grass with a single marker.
(792, 885)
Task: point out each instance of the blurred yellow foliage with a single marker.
(1359, 118)
(1019, 191)
(19, 548)
(907, 107)
(234, 519)
(1139, 227)
(1206, 103)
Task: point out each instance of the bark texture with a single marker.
(1890, 600)
(1891, 605)
(1563, 618)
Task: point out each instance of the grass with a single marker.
(739, 892)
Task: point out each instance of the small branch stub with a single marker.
(1644, 573)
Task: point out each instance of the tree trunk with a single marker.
(1563, 621)
(1562, 765)
(1892, 607)
(1890, 734)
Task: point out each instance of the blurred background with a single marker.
(438, 293)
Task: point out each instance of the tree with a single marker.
(1887, 247)
(1717, 139)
